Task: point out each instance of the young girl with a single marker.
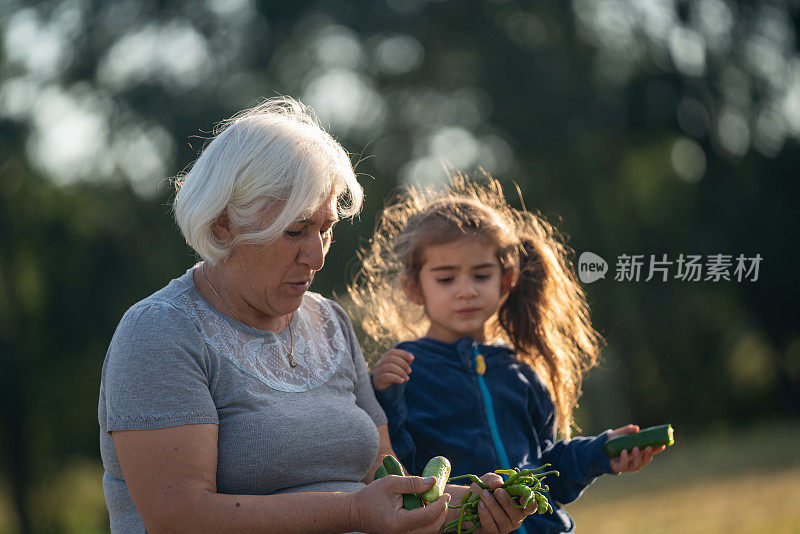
(501, 341)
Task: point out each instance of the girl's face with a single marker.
(460, 285)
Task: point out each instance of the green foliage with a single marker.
(595, 136)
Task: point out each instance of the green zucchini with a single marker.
(655, 436)
(391, 466)
(438, 467)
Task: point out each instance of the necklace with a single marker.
(289, 351)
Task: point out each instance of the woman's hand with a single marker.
(393, 368)
(379, 508)
(497, 512)
(630, 462)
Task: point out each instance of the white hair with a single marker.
(274, 153)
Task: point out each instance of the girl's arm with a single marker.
(579, 461)
(171, 475)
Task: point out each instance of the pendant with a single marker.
(291, 360)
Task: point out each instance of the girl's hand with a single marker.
(379, 508)
(393, 368)
(497, 511)
(630, 462)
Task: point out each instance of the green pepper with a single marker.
(524, 494)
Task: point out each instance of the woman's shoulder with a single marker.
(155, 338)
(160, 316)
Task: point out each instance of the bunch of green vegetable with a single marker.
(525, 485)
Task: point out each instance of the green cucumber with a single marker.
(380, 472)
(391, 466)
(655, 436)
(438, 467)
(411, 501)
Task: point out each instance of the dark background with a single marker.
(637, 127)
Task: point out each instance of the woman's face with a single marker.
(273, 277)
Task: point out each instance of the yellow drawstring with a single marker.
(480, 364)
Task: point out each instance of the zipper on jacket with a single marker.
(480, 365)
(480, 369)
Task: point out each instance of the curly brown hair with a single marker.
(544, 317)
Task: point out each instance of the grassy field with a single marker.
(725, 483)
(742, 483)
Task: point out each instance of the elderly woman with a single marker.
(235, 400)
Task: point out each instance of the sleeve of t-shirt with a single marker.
(156, 372)
(365, 397)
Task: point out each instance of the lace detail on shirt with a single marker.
(319, 343)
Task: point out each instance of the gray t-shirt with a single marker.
(175, 360)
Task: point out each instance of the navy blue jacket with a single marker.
(441, 411)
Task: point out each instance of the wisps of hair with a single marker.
(545, 316)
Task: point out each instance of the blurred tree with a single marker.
(74, 260)
(644, 127)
